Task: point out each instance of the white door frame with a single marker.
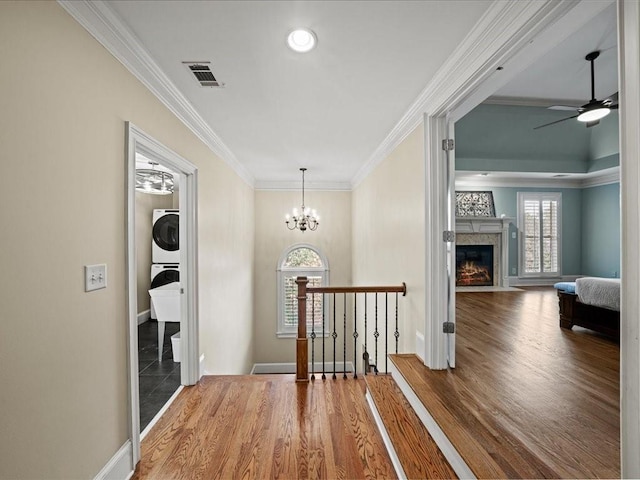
(629, 81)
(511, 35)
(453, 99)
(139, 141)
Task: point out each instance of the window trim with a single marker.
(538, 196)
(283, 331)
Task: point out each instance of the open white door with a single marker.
(140, 142)
(449, 200)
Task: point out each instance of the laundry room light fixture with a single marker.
(305, 218)
(302, 40)
(154, 182)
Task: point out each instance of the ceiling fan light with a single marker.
(593, 115)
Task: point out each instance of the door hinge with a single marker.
(448, 236)
(448, 145)
(448, 327)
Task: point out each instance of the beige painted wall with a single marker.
(389, 231)
(333, 238)
(63, 352)
(145, 205)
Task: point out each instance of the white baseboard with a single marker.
(265, 368)
(144, 316)
(420, 347)
(202, 370)
(446, 447)
(539, 282)
(395, 461)
(120, 467)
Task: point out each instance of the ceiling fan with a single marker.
(591, 112)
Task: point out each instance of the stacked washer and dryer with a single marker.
(165, 271)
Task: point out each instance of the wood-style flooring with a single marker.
(266, 426)
(527, 399)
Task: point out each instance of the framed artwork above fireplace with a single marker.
(475, 204)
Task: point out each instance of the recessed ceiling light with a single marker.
(302, 40)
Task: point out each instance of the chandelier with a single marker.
(305, 218)
(155, 182)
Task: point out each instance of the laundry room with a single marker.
(158, 276)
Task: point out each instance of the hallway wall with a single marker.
(63, 352)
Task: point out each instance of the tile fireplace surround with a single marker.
(488, 231)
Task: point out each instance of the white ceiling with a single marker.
(564, 74)
(330, 109)
(327, 110)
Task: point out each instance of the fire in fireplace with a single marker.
(474, 265)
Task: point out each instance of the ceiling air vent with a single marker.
(203, 74)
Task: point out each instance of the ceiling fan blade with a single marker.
(593, 124)
(612, 99)
(553, 123)
(566, 108)
(614, 107)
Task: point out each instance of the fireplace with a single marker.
(474, 265)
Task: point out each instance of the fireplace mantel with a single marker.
(490, 225)
(482, 224)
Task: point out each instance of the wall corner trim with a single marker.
(120, 466)
(109, 30)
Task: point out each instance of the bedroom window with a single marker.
(300, 260)
(539, 223)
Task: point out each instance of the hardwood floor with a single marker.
(416, 450)
(266, 426)
(527, 399)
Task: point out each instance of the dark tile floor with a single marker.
(158, 380)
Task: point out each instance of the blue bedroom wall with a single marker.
(502, 138)
(601, 231)
(506, 201)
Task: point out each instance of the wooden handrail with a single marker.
(302, 342)
(399, 289)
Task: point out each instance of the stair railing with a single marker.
(381, 326)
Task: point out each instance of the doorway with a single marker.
(182, 295)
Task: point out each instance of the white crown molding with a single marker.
(502, 32)
(308, 186)
(603, 177)
(107, 28)
(593, 179)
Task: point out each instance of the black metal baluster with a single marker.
(355, 335)
(386, 331)
(324, 299)
(334, 335)
(376, 334)
(396, 333)
(366, 352)
(313, 335)
(344, 336)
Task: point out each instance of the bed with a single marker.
(591, 302)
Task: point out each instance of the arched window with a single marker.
(297, 261)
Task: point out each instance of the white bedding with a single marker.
(600, 292)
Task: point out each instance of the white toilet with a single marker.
(166, 302)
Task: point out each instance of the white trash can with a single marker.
(175, 346)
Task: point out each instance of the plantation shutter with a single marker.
(540, 224)
(291, 302)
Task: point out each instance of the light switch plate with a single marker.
(95, 277)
